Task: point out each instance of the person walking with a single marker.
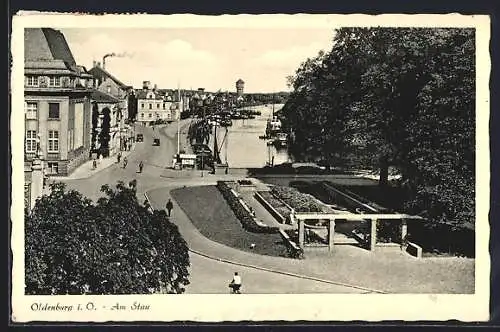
(119, 157)
(169, 207)
(235, 284)
(125, 162)
(141, 165)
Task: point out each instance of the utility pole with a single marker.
(203, 152)
(178, 119)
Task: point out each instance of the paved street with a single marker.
(390, 272)
(207, 275)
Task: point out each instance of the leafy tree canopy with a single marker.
(114, 246)
(394, 96)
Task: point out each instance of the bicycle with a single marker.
(235, 288)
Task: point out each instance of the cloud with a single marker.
(141, 59)
(289, 58)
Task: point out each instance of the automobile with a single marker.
(156, 142)
(140, 138)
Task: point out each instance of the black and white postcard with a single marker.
(250, 167)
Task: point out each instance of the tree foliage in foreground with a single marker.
(394, 97)
(114, 246)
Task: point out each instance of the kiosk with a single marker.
(184, 160)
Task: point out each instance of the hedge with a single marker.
(247, 220)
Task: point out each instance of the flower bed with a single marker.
(248, 221)
(300, 202)
(277, 205)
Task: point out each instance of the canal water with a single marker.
(243, 148)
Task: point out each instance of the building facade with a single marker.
(154, 105)
(56, 107)
(111, 95)
(57, 102)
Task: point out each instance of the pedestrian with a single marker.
(235, 284)
(169, 207)
(125, 162)
(94, 164)
(141, 165)
(119, 156)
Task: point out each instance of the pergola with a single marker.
(373, 217)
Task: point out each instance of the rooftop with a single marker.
(47, 48)
(102, 97)
(100, 73)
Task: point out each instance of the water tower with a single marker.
(240, 86)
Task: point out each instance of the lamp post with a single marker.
(37, 174)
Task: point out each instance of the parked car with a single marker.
(139, 138)
(156, 142)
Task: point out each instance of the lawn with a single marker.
(211, 215)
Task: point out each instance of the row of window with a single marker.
(150, 105)
(150, 115)
(52, 81)
(52, 142)
(31, 110)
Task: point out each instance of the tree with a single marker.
(104, 134)
(397, 96)
(95, 123)
(132, 107)
(114, 246)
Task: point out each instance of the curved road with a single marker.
(352, 267)
(206, 275)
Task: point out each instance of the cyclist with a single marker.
(235, 284)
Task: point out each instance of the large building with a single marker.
(57, 102)
(57, 108)
(154, 104)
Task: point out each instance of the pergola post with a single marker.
(373, 234)
(301, 233)
(404, 230)
(331, 233)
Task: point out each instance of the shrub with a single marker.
(247, 220)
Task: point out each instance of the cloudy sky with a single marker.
(213, 58)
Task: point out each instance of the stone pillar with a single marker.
(373, 237)
(331, 233)
(301, 233)
(36, 180)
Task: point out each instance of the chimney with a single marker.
(94, 63)
(98, 64)
(155, 87)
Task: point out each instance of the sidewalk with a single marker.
(87, 170)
